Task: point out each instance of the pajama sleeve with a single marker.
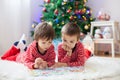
(80, 57)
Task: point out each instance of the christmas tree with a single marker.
(59, 12)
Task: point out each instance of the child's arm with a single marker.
(59, 64)
(51, 58)
(80, 57)
(63, 56)
(38, 63)
(27, 58)
(67, 49)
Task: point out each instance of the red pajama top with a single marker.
(32, 52)
(76, 59)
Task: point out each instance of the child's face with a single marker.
(69, 41)
(44, 44)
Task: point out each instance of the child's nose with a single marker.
(47, 45)
(68, 44)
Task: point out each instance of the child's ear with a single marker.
(78, 39)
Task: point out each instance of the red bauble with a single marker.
(71, 17)
(44, 9)
(80, 12)
(63, 15)
(47, 1)
(68, 11)
(56, 11)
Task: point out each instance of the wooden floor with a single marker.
(103, 54)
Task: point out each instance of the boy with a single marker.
(71, 51)
(40, 53)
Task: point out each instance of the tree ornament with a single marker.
(50, 23)
(70, 8)
(83, 10)
(76, 11)
(63, 22)
(79, 11)
(71, 17)
(63, 15)
(75, 17)
(56, 21)
(81, 34)
(33, 25)
(86, 27)
(47, 1)
(84, 18)
(68, 11)
(57, 24)
(63, 8)
(42, 20)
(46, 5)
(64, 3)
(44, 9)
(56, 11)
(91, 18)
(89, 25)
(65, 0)
(87, 11)
(79, 16)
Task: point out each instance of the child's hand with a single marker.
(68, 49)
(38, 62)
(69, 53)
(59, 64)
(43, 65)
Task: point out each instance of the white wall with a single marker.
(111, 6)
(15, 19)
(36, 10)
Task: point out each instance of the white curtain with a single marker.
(15, 19)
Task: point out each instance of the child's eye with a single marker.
(43, 42)
(50, 42)
(64, 40)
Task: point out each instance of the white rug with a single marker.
(96, 68)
